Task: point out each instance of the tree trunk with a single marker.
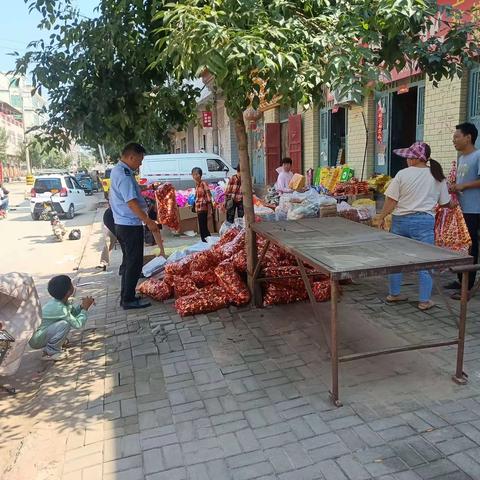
(247, 190)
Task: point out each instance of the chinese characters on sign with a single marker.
(379, 122)
(207, 119)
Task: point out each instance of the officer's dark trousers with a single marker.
(131, 240)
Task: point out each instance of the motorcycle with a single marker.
(49, 213)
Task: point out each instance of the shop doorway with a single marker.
(398, 124)
(404, 130)
(338, 135)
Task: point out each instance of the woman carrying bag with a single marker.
(411, 198)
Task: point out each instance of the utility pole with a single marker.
(215, 122)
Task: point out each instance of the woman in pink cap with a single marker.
(411, 198)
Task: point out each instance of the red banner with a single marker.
(207, 119)
(379, 123)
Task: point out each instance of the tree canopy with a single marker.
(97, 71)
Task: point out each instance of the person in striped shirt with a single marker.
(234, 197)
(203, 203)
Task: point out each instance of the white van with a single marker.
(176, 168)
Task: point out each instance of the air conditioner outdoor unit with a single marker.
(345, 99)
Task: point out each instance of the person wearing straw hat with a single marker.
(411, 198)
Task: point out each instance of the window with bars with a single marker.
(474, 103)
(324, 125)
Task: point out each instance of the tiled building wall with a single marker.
(311, 138)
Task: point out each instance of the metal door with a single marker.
(474, 100)
(383, 108)
(420, 112)
(325, 126)
(295, 141)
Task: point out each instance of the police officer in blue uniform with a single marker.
(129, 212)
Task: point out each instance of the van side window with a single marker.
(69, 183)
(215, 165)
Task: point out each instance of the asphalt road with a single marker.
(29, 246)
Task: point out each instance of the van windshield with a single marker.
(43, 185)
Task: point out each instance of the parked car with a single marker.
(69, 195)
(86, 182)
(177, 169)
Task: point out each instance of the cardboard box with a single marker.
(192, 224)
(184, 213)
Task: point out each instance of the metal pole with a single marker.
(459, 374)
(215, 122)
(334, 343)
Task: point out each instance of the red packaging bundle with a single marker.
(227, 237)
(184, 286)
(276, 294)
(239, 261)
(205, 300)
(167, 212)
(203, 279)
(322, 290)
(203, 261)
(451, 230)
(234, 246)
(182, 267)
(155, 289)
(232, 284)
(280, 271)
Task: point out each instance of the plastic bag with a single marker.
(155, 289)
(232, 284)
(205, 300)
(155, 265)
(226, 226)
(305, 209)
(167, 211)
(231, 248)
(451, 230)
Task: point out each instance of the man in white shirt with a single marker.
(284, 176)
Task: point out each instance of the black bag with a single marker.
(75, 234)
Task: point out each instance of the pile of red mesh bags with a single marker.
(167, 211)
(321, 290)
(231, 283)
(156, 289)
(283, 290)
(205, 300)
(204, 278)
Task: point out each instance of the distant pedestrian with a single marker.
(468, 190)
(203, 203)
(411, 198)
(59, 316)
(4, 202)
(234, 197)
(285, 174)
(129, 211)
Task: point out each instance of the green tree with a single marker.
(42, 155)
(97, 72)
(300, 47)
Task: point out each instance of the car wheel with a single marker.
(71, 211)
(36, 216)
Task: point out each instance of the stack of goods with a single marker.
(379, 183)
(352, 187)
(297, 183)
(213, 279)
(359, 214)
(167, 212)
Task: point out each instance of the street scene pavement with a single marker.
(238, 394)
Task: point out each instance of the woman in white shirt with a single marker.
(411, 198)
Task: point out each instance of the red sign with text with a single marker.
(207, 119)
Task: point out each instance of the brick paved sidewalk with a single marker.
(243, 394)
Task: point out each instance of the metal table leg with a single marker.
(460, 377)
(334, 343)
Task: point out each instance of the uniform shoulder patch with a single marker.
(127, 171)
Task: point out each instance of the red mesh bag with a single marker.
(182, 267)
(167, 211)
(203, 279)
(232, 284)
(239, 261)
(275, 294)
(203, 261)
(451, 230)
(282, 271)
(227, 237)
(156, 289)
(234, 246)
(205, 300)
(184, 286)
(169, 280)
(321, 290)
